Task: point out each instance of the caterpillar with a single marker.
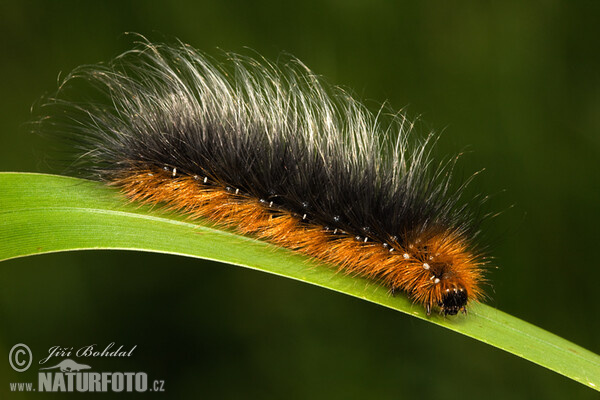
(272, 151)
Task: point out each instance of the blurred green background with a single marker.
(515, 83)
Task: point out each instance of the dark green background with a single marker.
(516, 83)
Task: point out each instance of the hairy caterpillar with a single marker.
(272, 151)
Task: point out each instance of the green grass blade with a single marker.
(45, 213)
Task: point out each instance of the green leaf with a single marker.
(45, 213)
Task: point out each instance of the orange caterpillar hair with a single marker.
(274, 153)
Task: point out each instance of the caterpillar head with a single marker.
(453, 301)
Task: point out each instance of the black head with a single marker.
(453, 301)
